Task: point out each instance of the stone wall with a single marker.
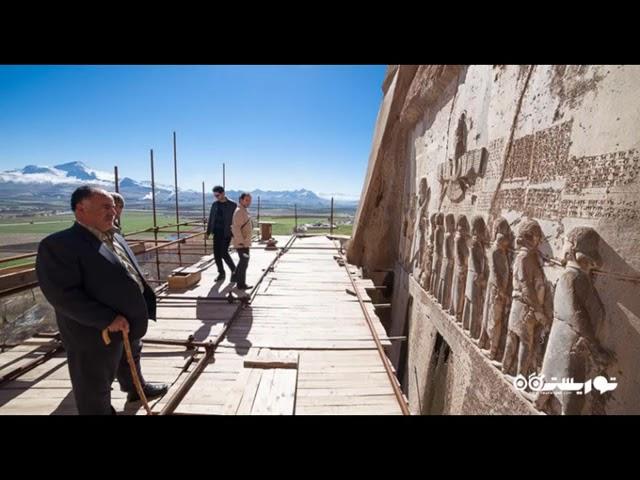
(555, 144)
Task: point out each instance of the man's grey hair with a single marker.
(117, 198)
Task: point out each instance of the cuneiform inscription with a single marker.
(546, 203)
(494, 162)
(615, 169)
(542, 156)
(483, 200)
(543, 203)
(511, 199)
(538, 203)
(551, 152)
(618, 209)
(519, 161)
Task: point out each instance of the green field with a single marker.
(26, 229)
(284, 225)
(131, 221)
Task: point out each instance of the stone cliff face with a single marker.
(555, 144)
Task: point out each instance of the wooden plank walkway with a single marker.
(301, 310)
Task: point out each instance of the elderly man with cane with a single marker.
(91, 278)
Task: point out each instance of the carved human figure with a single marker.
(418, 249)
(448, 260)
(476, 278)
(408, 231)
(461, 254)
(573, 350)
(436, 265)
(496, 303)
(428, 257)
(411, 231)
(527, 307)
(543, 330)
(419, 253)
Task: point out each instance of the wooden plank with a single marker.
(273, 359)
(349, 410)
(17, 279)
(247, 377)
(282, 395)
(261, 405)
(246, 403)
(286, 386)
(337, 400)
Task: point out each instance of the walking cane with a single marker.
(132, 367)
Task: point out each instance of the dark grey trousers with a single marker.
(93, 371)
(241, 271)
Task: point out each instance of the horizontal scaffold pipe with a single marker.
(151, 229)
(55, 347)
(146, 230)
(18, 257)
(173, 242)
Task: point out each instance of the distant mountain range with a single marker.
(42, 184)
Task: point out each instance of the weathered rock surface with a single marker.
(555, 144)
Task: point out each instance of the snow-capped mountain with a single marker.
(81, 171)
(340, 197)
(48, 184)
(73, 173)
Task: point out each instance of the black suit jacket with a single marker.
(88, 287)
(225, 209)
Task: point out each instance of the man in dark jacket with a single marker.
(91, 278)
(219, 225)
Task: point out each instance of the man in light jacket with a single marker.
(242, 229)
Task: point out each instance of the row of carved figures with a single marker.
(496, 288)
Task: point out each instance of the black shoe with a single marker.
(220, 277)
(150, 391)
(244, 287)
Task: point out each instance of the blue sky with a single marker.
(275, 127)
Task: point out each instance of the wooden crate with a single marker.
(183, 279)
(138, 247)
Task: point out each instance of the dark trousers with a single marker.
(221, 252)
(241, 271)
(93, 371)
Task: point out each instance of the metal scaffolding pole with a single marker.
(331, 219)
(155, 222)
(117, 184)
(175, 172)
(204, 218)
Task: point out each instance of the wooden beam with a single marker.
(18, 279)
(273, 360)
